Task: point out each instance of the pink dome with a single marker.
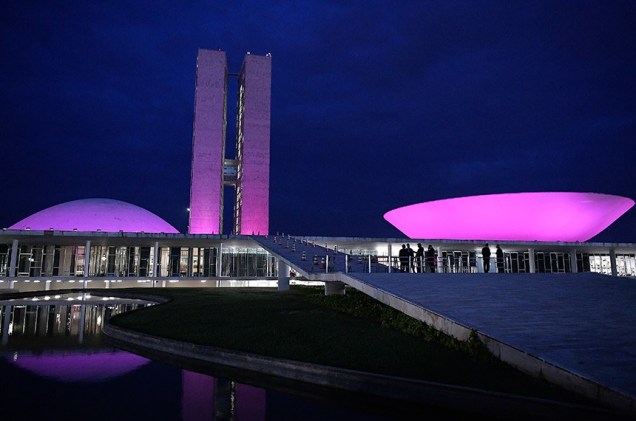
(105, 215)
(552, 216)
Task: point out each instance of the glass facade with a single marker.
(151, 258)
(138, 261)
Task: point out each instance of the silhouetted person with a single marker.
(419, 257)
(430, 258)
(411, 257)
(404, 259)
(485, 252)
(500, 259)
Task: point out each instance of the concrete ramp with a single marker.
(577, 330)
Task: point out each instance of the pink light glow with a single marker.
(81, 367)
(106, 215)
(551, 216)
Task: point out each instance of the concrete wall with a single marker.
(254, 156)
(208, 144)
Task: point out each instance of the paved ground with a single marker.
(585, 323)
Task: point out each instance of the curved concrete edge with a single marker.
(119, 293)
(157, 299)
(429, 394)
(521, 360)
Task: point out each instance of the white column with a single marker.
(440, 260)
(48, 261)
(14, 258)
(191, 261)
(613, 262)
(87, 261)
(47, 286)
(283, 276)
(87, 257)
(390, 257)
(531, 260)
(573, 266)
(5, 324)
(219, 260)
(154, 263)
(82, 323)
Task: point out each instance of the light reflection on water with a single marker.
(54, 363)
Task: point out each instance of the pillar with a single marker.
(283, 276)
(82, 323)
(390, 258)
(191, 261)
(87, 257)
(612, 253)
(47, 285)
(49, 259)
(6, 313)
(334, 288)
(532, 268)
(219, 260)
(14, 258)
(573, 267)
(440, 261)
(154, 263)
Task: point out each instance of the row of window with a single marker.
(461, 261)
(35, 261)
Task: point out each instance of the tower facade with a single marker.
(248, 171)
(251, 211)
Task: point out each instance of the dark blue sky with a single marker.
(375, 105)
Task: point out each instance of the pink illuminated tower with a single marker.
(248, 172)
(208, 144)
(251, 212)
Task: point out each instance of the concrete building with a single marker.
(107, 243)
(248, 171)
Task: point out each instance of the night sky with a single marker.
(375, 105)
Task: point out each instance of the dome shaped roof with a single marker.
(541, 216)
(105, 215)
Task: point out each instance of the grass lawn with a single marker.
(351, 331)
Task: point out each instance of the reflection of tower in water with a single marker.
(205, 397)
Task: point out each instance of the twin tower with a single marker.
(248, 171)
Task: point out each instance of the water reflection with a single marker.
(65, 315)
(53, 354)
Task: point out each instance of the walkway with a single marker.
(576, 329)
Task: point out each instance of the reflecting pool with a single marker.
(55, 364)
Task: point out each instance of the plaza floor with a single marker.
(576, 328)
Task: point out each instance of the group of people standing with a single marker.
(417, 261)
(414, 261)
(485, 252)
